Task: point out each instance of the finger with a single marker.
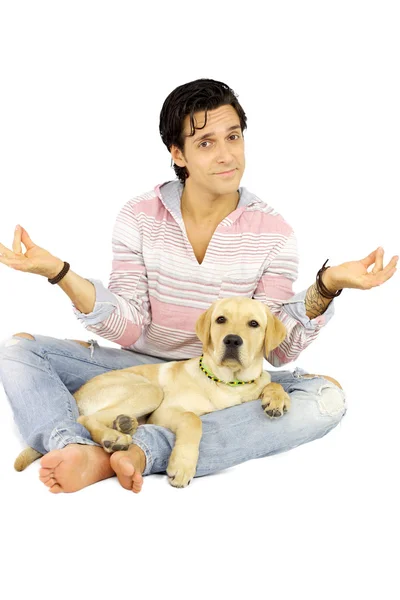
(390, 274)
(378, 261)
(26, 240)
(382, 277)
(391, 264)
(14, 263)
(370, 259)
(17, 241)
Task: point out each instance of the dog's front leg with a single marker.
(274, 400)
(187, 427)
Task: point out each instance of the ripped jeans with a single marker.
(39, 377)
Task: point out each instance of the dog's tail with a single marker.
(27, 457)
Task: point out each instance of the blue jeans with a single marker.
(39, 377)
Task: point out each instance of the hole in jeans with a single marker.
(86, 344)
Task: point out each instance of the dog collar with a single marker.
(211, 376)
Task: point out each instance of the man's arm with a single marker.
(81, 291)
(301, 313)
(120, 311)
(315, 303)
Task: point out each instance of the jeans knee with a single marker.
(16, 339)
(332, 401)
(329, 397)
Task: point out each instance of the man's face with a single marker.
(218, 150)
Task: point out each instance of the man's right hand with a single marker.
(35, 260)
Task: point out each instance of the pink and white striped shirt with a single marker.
(157, 288)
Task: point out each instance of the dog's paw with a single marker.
(125, 424)
(180, 470)
(112, 441)
(274, 400)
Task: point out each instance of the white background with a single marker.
(82, 85)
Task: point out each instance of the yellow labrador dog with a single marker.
(235, 332)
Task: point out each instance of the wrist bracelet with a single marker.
(322, 289)
(61, 274)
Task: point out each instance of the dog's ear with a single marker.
(203, 327)
(275, 332)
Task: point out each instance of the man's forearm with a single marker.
(315, 303)
(81, 291)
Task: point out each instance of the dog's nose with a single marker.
(232, 341)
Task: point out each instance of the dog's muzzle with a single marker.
(232, 344)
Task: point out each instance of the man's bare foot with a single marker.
(129, 466)
(74, 467)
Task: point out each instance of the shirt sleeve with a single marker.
(122, 310)
(275, 288)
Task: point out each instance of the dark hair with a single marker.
(186, 99)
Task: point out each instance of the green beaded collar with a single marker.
(211, 376)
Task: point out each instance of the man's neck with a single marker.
(204, 209)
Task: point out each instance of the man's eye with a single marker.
(205, 141)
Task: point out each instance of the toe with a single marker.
(45, 472)
(56, 489)
(50, 482)
(137, 482)
(137, 477)
(51, 460)
(47, 478)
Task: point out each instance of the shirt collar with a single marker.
(170, 193)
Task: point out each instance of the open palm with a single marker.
(35, 260)
(354, 274)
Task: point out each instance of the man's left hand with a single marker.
(354, 274)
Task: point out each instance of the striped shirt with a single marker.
(158, 289)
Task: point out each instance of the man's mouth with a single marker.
(226, 173)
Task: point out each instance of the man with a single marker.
(177, 249)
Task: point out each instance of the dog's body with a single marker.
(177, 393)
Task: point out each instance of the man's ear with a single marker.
(275, 332)
(203, 327)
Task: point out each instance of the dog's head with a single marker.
(236, 331)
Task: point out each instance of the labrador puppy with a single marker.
(236, 333)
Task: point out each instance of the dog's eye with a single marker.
(253, 323)
(220, 320)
